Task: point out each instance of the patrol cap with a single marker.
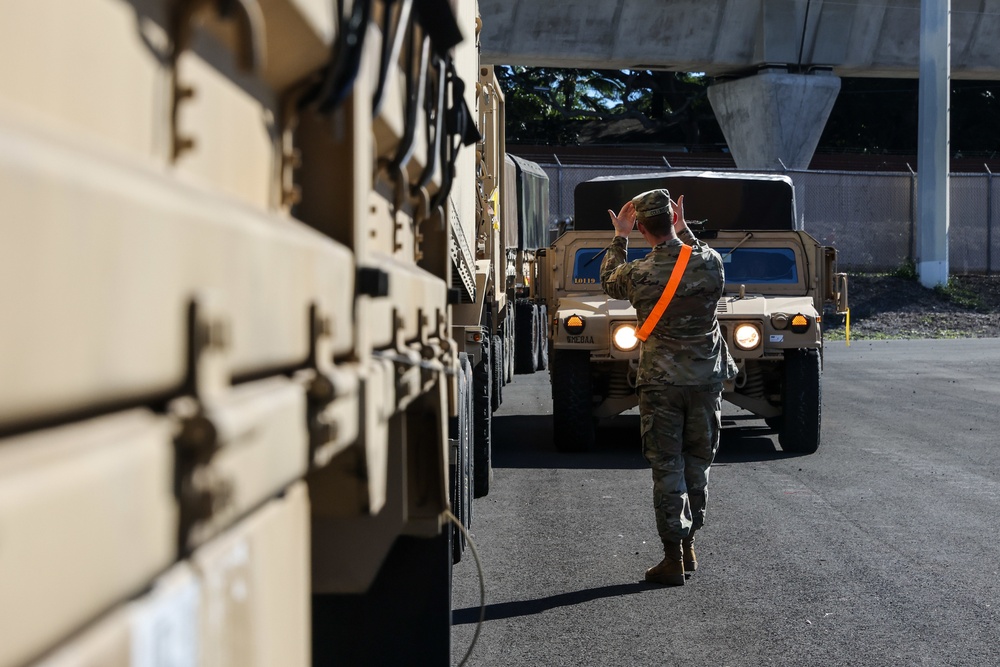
(651, 202)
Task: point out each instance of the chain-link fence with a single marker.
(870, 217)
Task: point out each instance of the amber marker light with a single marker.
(800, 324)
(574, 324)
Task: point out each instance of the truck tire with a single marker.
(460, 437)
(572, 401)
(482, 421)
(498, 371)
(470, 449)
(543, 338)
(508, 343)
(525, 337)
(802, 402)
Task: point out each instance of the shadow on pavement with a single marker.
(529, 607)
(525, 441)
(745, 443)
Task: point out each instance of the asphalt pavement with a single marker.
(879, 549)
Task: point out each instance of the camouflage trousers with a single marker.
(680, 435)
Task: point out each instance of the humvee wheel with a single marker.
(572, 396)
(802, 402)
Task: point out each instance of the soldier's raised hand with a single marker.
(625, 220)
(677, 207)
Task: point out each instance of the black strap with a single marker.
(462, 126)
(438, 20)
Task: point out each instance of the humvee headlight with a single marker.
(800, 324)
(574, 324)
(746, 336)
(624, 337)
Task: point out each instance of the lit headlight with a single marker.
(746, 336)
(624, 337)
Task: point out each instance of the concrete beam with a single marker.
(870, 38)
(933, 142)
(774, 118)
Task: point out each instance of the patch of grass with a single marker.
(960, 295)
(835, 335)
(950, 333)
(907, 270)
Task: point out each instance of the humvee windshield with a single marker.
(587, 269)
(775, 266)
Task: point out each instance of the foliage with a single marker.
(556, 106)
(880, 116)
(961, 295)
(908, 270)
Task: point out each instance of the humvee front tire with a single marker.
(802, 402)
(572, 401)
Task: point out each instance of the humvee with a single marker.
(778, 279)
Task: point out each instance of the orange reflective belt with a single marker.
(667, 296)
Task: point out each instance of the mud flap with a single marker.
(405, 613)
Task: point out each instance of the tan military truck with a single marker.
(778, 279)
(242, 252)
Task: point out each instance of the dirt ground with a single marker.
(898, 306)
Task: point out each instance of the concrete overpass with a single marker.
(851, 38)
(777, 63)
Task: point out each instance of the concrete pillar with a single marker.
(774, 115)
(933, 144)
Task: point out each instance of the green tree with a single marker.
(569, 106)
(552, 106)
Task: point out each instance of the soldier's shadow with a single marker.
(746, 438)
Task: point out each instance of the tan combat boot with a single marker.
(670, 570)
(690, 558)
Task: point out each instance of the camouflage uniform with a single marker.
(682, 366)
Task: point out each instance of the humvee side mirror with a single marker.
(841, 291)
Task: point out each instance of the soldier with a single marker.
(675, 290)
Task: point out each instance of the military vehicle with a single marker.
(778, 279)
(252, 268)
(530, 202)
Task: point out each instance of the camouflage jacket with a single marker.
(686, 347)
